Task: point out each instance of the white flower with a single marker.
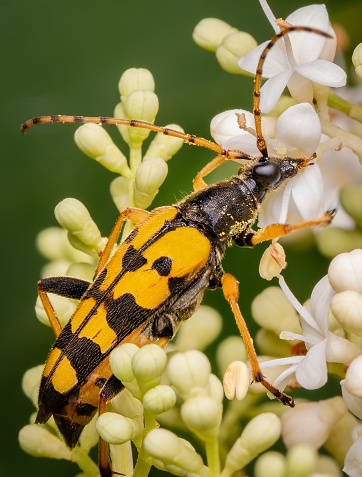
(353, 460)
(298, 59)
(323, 346)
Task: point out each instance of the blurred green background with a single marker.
(66, 57)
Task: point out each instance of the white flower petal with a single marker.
(300, 88)
(320, 303)
(245, 143)
(308, 193)
(354, 403)
(276, 61)
(272, 89)
(270, 210)
(329, 51)
(299, 127)
(225, 126)
(308, 46)
(283, 379)
(340, 350)
(353, 460)
(311, 373)
(323, 72)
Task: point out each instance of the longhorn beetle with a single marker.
(175, 249)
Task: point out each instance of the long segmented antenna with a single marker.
(189, 138)
(260, 141)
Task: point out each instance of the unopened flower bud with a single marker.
(121, 364)
(210, 32)
(347, 309)
(159, 399)
(39, 442)
(188, 370)
(340, 438)
(82, 270)
(236, 380)
(164, 146)
(357, 60)
(117, 429)
(259, 434)
(127, 405)
(327, 465)
(345, 272)
(200, 330)
(72, 215)
(270, 464)
(353, 381)
(135, 79)
(353, 402)
(272, 310)
(120, 193)
(229, 350)
(166, 447)
(215, 388)
(351, 198)
(234, 46)
(92, 140)
(270, 344)
(63, 307)
(149, 176)
(202, 415)
(142, 105)
(301, 460)
(272, 262)
(31, 381)
(148, 363)
(120, 113)
(311, 422)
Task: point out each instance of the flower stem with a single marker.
(135, 158)
(85, 463)
(354, 111)
(213, 458)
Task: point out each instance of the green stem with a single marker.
(135, 158)
(142, 468)
(354, 111)
(213, 458)
(85, 463)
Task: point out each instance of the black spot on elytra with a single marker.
(84, 356)
(131, 236)
(65, 336)
(112, 387)
(162, 265)
(133, 259)
(124, 315)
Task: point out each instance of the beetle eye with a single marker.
(266, 172)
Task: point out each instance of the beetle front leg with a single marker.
(230, 287)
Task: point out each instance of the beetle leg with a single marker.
(279, 230)
(198, 182)
(135, 216)
(63, 286)
(230, 287)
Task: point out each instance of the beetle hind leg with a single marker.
(231, 292)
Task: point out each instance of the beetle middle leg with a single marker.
(230, 288)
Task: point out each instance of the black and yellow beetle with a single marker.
(157, 276)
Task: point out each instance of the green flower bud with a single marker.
(259, 434)
(31, 381)
(351, 200)
(55, 268)
(230, 349)
(270, 344)
(117, 429)
(53, 244)
(273, 311)
(357, 60)
(63, 307)
(236, 380)
(215, 388)
(166, 447)
(135, 79)
(347, 309)
(72, 215)
(92, 140)
(328, 466)
(39, 442)
(301, 460)
(124, 403)
(345, 272)
(271, 464)
(233, 47)
(269, 267)
(82, 270)
(199, 331)
(340, 439)
(141, 105)
(121, 364)
(150, 175)
(202, 415)
(353, 382)
(148, 363)
(164, 146)
(120, 193)
(210, 32)
(188, 370)
(333, 241)
(120, 113)
(159, 399)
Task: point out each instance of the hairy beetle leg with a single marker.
(230, 287)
